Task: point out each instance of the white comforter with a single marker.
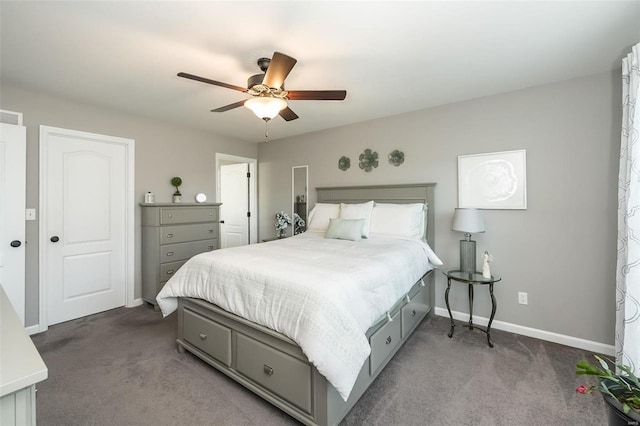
(322, 293)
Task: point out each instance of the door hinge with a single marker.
(248, 214)
(248, 174)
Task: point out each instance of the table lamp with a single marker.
(469, 221)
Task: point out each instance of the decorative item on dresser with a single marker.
(177, 196)
(171, 235)
(469, 221)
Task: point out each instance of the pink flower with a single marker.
(583, 389)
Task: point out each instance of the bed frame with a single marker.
(273, 366)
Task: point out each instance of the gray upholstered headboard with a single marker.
(400, 193)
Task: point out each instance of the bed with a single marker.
(308, 341)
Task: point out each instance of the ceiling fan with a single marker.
(267, 90)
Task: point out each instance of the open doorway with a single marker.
(236, 190)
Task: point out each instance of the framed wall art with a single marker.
(496, 180)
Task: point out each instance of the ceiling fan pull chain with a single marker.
(266, 130)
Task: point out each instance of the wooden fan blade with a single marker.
(288, 114)
(279, 68)
(316, 95)
(209, 81)
(230, 106)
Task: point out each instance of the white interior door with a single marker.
(84, 192)
(234, 196)
(13, 144)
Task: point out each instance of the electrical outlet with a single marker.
(522, 298)
(30, 214)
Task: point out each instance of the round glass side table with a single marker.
(471, 279)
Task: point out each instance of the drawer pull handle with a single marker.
(268, 370)
(172, 271)
(413, 313)
(169, 216)
(210, 247)
(211, 231)
(169, 235)
(169, 253)
(388, 340)
(203, 336)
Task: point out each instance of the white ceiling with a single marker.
(391, 57)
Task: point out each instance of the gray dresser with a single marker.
(171, 235)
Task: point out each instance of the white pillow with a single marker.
(320, 215)
(358, 211)
(345, 229)
(398, 220)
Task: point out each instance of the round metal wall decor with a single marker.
(396, 157)
(344, 163)
(368, 160)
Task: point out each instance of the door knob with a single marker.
(15, 243)
(54, 239)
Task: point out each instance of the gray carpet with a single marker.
(121, 367)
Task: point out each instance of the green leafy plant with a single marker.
(176, 181)
(623, 386)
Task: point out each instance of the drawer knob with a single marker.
(172, 271)
(388, 340)
(268, 370)
(169, 253)
(169, 235)
(203, 336)
(169, 216)
(413, 313)
(211, 231)
(210, 213)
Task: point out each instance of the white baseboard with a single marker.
(33, 329)
(562, 339)
(136, 302)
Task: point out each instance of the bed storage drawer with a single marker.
(183, 233)
(383, 342)
(208, 336)
(414, 311)
(189, 214)
(280, 373)
(184, 251)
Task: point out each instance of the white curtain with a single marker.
(628, 266)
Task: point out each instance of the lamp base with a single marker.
(468, 256)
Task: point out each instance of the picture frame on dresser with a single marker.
(171, 235)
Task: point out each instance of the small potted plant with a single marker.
(298, 224)
(177, 196)
(283, 220)
(621, 391)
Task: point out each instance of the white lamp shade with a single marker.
(265, 107)
(469, 221)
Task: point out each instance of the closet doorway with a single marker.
(236, 190)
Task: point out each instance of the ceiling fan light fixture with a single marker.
(265, 107)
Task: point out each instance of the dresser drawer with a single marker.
(280, 373)
(414, 311)
(182, 233)
(208, 336)
(167, 270)
(185, 251)
(170, 216)
(383, 342)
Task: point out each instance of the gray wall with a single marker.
(162, 151)
(561, 250)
